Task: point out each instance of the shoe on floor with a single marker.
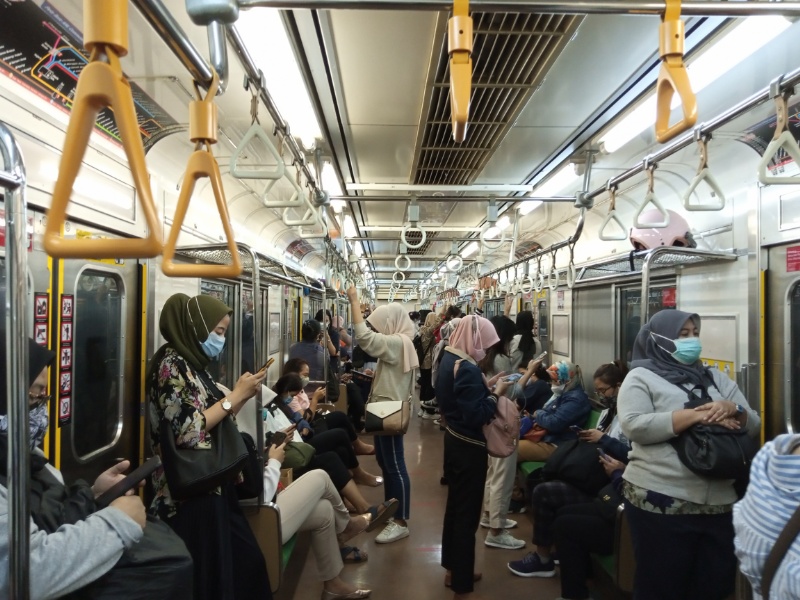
(504, 540)
(532, 566)
(507, 524)
(430, 403)
(391, 533)
(428, 415)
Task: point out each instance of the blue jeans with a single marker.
(392, 461)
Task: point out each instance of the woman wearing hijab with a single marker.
(467, 404)
(427, 396)
(228, 564)
(391, 343)
(445, 331)
(686, 516)
(72, 544)
(569, 405)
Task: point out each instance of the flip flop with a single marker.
(352, 555)
(381, 513)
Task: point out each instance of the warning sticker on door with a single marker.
(793, 258)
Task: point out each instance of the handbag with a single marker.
(714, 451)
(298, 455)
(387, 416)
(192, 472)
(576, 462)
(252, 485)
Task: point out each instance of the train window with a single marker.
(97, 361)
(630, 311)
(248, 333)
(794, 349)
(221, 367)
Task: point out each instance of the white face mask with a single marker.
(557, 389)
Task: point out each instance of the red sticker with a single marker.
(792, 259)
(668, 298)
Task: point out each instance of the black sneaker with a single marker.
(532, 566)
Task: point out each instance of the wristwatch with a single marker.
(739, 409)
(227, 406)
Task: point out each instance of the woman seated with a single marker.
(301, 404)
(551, 496)
(534, 387)
(545, 428)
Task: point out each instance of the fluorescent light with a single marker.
(358, 249)
(349, 226)
(492, 232)
(503, 222)
(330, 183)
(338, 206)
(265, 37)
(557, 182)
(469, 250)
(529, 206)
(727, 52)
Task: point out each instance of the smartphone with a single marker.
(542, 356)
(576, 429)
(267, 365)
(131, 480)
(278, 438)
(602, 453)
(513, 378)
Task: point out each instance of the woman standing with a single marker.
(227, 561)
(427, 396)
(466, 404)
(668, 506)
(391, 343)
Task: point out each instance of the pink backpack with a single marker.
(502, 432)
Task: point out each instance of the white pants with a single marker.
(311, 503)
(499, 485)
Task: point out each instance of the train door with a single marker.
(782, 306)
(97, 330)
(663, 294)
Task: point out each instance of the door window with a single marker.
(221, 367)
(630, 312)
(793, 367)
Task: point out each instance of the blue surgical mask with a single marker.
(687, 350)
(213, 345)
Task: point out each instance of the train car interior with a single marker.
(593, 162)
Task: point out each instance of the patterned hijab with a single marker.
(448, 328)
(431, 321)
(391, 319)
(473, 336)
(565, 373)
(186, 323)
(654, 353)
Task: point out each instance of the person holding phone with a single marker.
(534, 385)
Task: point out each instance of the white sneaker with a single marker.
(504, 540)
(429, 415)
(507, 524)
(391, 533)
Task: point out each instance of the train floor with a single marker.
(409, 568)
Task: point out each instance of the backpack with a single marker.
(420, 349)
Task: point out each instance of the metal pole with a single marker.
(218, 52)
(165, 25)
(566, 7)
(483, 199)
(18, 460)
(514, 236)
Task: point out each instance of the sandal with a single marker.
(352, 554)
(381, 513)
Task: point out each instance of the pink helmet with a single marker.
(675, 234)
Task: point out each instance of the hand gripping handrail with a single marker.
(203, 132)
(459, 46)
(782, 140)
(612, 216)
(101, 84)
(673, 77)
(256, 131)
(650, 198)
(704, 175)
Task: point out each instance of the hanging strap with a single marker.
(778, 552)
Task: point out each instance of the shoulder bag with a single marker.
(714, 451)
(576, 462)
(192, 472)
(385, 415)
(502, 432)
(298, 455)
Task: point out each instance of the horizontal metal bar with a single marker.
(452, 199)
(566, 7)
(424, 226)
(396, 239)
(168, 29)
(9, 181)
(407, 187)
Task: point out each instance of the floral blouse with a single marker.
(177, 393)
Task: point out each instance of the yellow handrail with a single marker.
(459, 46)
(673, 78)
(101, 84)
(203, 132)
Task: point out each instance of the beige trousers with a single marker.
(537, 451)
(312, 504)
(499, 485)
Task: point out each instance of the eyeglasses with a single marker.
(39, 399)
(603, 391)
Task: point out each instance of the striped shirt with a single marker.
(772, 497)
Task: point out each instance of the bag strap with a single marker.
(374, 379)
(778, 552)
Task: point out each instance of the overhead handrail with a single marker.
(650, 198)
(256, 131)
(673, 77)
(203, 132)
(398, 277)
(782, 139)
(459, 47)
(102, 84)
(704, 175)
(404, 234)
(612, 217)
(530, 285)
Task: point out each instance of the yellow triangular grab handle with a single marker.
(459, 46)
(101, 85)
(201, 164)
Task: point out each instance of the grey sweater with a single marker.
(73, 556)
(392, 383)
(645, 406)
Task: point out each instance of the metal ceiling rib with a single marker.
(511, 56)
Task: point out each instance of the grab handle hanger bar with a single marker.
(459, 47)
(650, 198)
(203, 132)
(101, 84)
(612, 216)
(673, 77)
(256, 131)
(783, 138)
(703, 175)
